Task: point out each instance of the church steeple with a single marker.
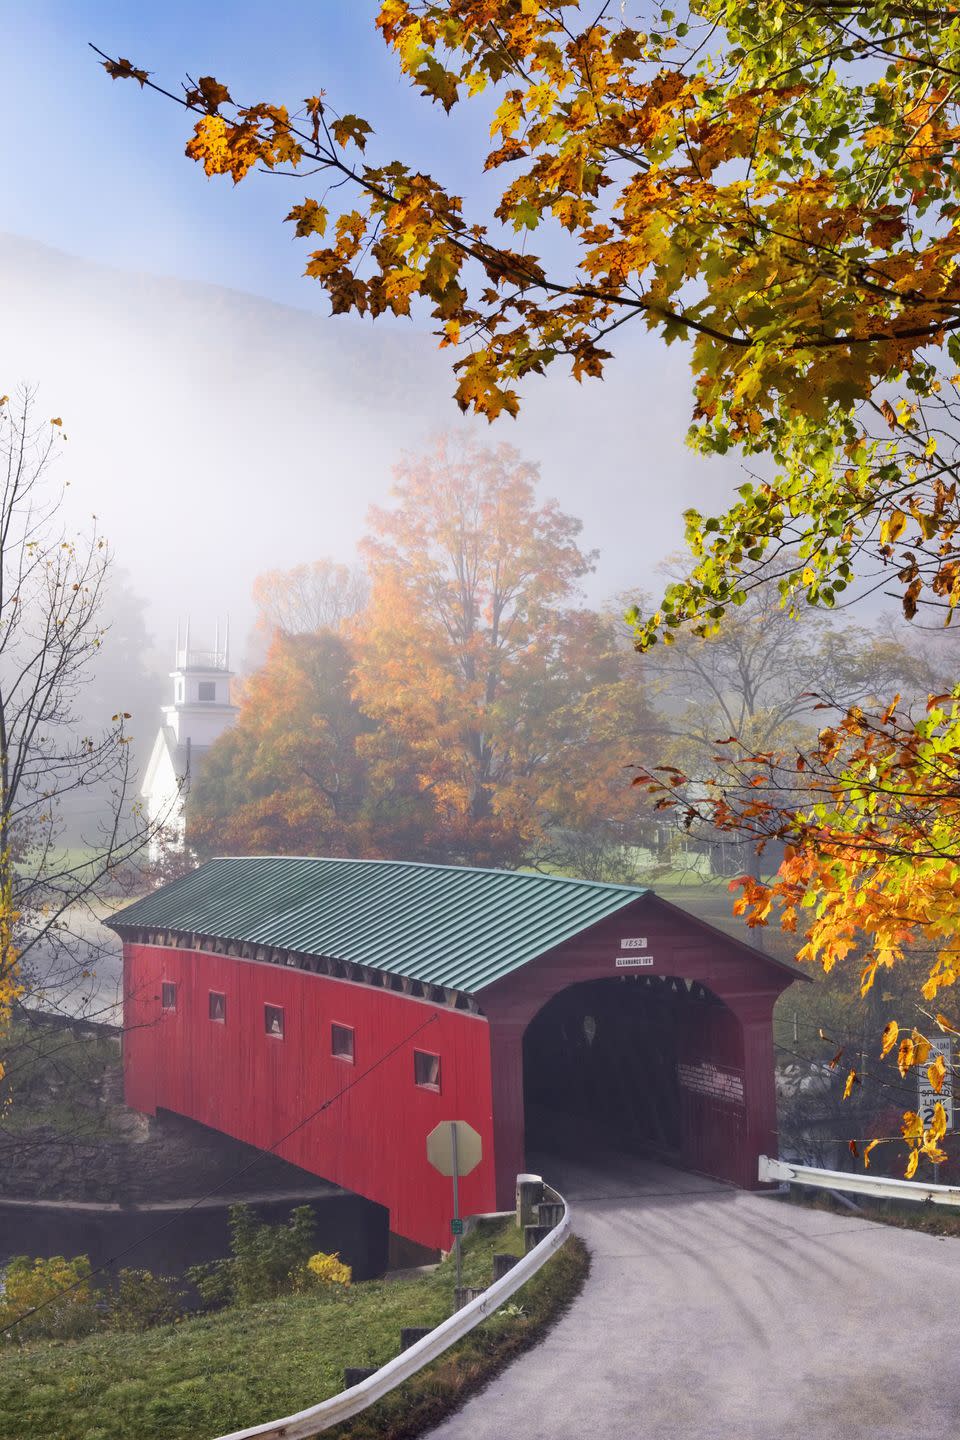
(199, 714)
(201, 708)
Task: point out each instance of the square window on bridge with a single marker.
(168, 995)
(426, 1070)
(217, 1007)
(273, 1021)
(341, 1042)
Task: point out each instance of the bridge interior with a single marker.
(602, 1065)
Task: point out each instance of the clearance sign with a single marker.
(633, 960)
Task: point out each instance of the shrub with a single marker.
(143, 1299)
(327, 1270)
(60, 1291)
(265, 1260)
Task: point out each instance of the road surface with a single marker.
(713, 1314)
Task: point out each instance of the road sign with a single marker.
(454, 1148)
(927, 1097)
(440, 1147)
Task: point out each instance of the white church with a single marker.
(201, 711)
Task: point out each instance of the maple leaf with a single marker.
(936, 1073)
(213, 93)
(125, 70)
(891, 1033)
(351, 127)
(310, 217)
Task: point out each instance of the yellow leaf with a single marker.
(852, 1079)
(905, 1058)
(912, 1164)
(893, 527)
(866, 1153)
(938, 1127)
(56, 420)
(891, 1033)
(937, 1073)
(912, 1127)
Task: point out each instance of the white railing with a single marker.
(317, 1418)
(857, 1184)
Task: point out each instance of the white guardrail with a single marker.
(310, 1422)
(850, 1183)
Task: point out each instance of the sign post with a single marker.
(454, 1148)
(457, 1227)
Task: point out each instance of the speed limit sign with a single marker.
(927, 1096)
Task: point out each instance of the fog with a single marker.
(217, 434)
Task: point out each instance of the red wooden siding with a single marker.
(238, 1079)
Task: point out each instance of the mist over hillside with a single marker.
(217, 434)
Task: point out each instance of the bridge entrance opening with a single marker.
(628, 1064)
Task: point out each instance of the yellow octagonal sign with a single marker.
(441, 1147)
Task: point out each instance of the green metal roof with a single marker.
(439, 924)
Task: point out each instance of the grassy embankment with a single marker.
(208, 1375)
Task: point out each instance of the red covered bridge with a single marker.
(378, 998)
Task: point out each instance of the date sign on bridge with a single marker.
(454, 1148)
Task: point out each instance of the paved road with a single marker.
(711, 1314)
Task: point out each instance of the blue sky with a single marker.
(96, 167)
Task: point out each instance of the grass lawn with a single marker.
(205, 1376)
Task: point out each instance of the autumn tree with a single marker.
(469, 579)
(318, 595)
(287, 778)
(588, 728)
(52, 597)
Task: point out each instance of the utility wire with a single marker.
(179, 1215)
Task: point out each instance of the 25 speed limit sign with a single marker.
(927, 1097)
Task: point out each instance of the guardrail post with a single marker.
(533, 1234)
(502, 1264)
(410, 1334)
(353, 1374)
(529, 1196)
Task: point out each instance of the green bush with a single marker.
(265, 1260)
(59, 1291)
(143, 1299)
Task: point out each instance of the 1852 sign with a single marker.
(633, 962)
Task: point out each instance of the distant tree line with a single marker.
(454, 700)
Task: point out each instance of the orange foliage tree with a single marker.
(469, 713)
(461, 639)
(287, 777)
